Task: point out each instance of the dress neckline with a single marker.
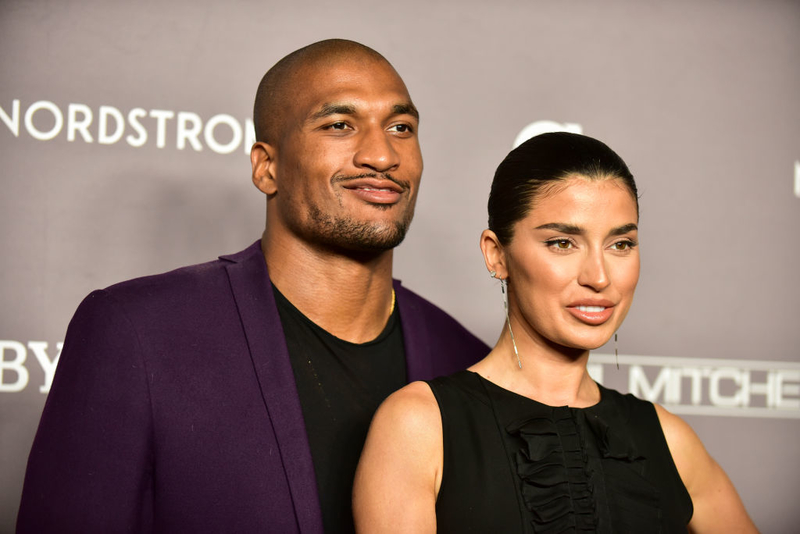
(602, 401)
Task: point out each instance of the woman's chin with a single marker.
(583, 345)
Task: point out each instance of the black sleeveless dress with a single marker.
(512, 464)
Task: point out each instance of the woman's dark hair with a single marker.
(541, 162)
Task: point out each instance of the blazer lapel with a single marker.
(419, 361)
(255, 300)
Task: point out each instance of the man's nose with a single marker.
(376, 151)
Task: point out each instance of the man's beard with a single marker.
(364, 236)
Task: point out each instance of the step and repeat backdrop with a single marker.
(125, 129)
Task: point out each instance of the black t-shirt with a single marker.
(340, 385)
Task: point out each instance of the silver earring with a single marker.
(616, 352)
(504, 288)
(493, 274)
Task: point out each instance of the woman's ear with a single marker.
(262, 160)
(494, 254)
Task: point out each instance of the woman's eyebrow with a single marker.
(624, 229)
(563, 228)
(571, 229)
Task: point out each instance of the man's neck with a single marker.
(349, 297)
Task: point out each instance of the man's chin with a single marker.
(372, 240)
(359, 236)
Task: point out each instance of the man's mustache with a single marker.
(340, 178)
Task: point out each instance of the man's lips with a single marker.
(375, 190)
(592, 311)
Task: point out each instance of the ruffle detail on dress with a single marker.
(557, 483)
(638, 503)
(611, 443)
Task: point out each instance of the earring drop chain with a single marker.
(503, 287)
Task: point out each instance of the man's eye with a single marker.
(338, 126)
(401, 128)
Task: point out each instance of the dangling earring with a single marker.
(616, 352)
(504, 288)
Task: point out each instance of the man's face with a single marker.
(347, 166)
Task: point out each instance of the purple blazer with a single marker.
(174, 407)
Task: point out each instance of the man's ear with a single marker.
(262, 160)
(494, 254)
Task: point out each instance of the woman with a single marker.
(525, 440)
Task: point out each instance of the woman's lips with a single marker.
(592, 314)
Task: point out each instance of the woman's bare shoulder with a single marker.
(717, 506)
(400, 470)
(412, 407)
(687, 450)
(676, 430)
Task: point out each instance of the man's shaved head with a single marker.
(337, 151)
(277, 88)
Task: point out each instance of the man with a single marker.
(234, 396)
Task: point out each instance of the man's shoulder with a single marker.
(177, 279)
(189, 289)
(190, 279)
(420, 304)
(436, 343)
(436, 319)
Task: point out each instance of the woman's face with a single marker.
(573, 263)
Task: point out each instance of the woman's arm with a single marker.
(717, 506)
(400, 471)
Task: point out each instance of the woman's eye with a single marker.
(623, 245)
(560, 244)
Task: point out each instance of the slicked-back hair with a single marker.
(276, 86)
(541, 162)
